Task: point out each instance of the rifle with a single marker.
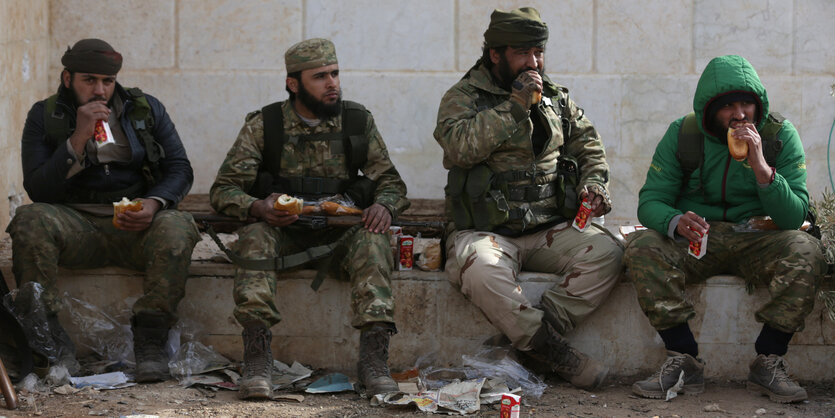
(315, 222)
(323, 221)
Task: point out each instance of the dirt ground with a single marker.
(168, 399)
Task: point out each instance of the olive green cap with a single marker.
(312, 53)
(521, 27)
(92, 56)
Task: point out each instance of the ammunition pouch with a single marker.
(479, 198)
(361, 191)
(568, 179)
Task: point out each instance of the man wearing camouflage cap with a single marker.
(73, 179)
(314, 146)
(521, 156)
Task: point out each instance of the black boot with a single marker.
(580, 370)
(64, 347)
(256, 382)
(372, 366)
(150, 333)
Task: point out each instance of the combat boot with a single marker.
(64, 347)
(150, 333)
(657, 385)
(256, 379)
(769, 375)
(372, 366)
(551, 348)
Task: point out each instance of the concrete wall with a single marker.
(632, 64)
(24, 36)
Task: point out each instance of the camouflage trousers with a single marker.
(45, 236)
(365, 259)
(485, 266)
(790, 263)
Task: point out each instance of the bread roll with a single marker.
(536, 97)
(333, 208)
(737, 147)
(123, 206)
(292, 205)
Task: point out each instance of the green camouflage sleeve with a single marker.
(391, 190)
(228, 195)
(584, 144)
(466, 135)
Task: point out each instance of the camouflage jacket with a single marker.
(235, 177)
(475, 125)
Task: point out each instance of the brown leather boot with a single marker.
(372, 366)
(256, 382)
(150, 333)
(577, 368)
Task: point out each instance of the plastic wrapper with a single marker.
(427, 254)
(335, 205)
(27, 305)
(31, 384)
(57, 376)
(490, 362)
(100, 332)
(194, 358)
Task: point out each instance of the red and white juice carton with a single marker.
(406, 252)
(581, 221)
(102, 135)
(510, 407)
(698, 248)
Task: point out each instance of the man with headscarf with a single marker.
(521, 158)
(727, 198)
(73, 175)
(311, 146)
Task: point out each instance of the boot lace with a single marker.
(779, 369)
(669, 367)
(375, 356)
(564, 355)
(256, 361)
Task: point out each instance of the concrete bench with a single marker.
(433, 317)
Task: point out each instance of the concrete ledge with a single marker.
(434, 318)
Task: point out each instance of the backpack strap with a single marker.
(771, 145)
(691, 148)
(354, 120)
(273, 138)
(56, 122)
(142, 120)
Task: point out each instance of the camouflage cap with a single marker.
(521, 27)
(311, 53)
(92, 56)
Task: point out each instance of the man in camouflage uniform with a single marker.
(720, 198)
(522, 165)
(73, 182)
(313, 163)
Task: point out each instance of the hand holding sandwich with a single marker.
(744, 135)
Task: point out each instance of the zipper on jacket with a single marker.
(724, 187)
(107, 169)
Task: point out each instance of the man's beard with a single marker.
(318, 107)
(506, 75)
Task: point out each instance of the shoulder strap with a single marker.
(691, 147)
(273, 137)
(771, 145)
(56, 122)
(142, 119)
(354, 120)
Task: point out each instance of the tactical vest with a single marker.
(59, 127)
(478, 198)
(691, 145)
(352, 142)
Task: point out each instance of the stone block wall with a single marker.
(632, 64)
(24, 36)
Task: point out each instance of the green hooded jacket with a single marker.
(724, 189)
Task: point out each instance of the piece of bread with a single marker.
(123, 206)
(737, 147)
(333, 208)
(536, 97)
(292, 205)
